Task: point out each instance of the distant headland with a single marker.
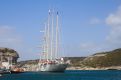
(98, 61)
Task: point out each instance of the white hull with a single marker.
(53, 67)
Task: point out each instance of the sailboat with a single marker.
(49, 60)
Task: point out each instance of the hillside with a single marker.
(28, 62)
(104, 59)
(74, 61)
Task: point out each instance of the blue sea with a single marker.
(67, 75)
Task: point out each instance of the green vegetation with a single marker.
(7, 52)
(112, 58)
(74, 61)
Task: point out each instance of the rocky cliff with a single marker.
(7, 53)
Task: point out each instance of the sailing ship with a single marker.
(49, 58)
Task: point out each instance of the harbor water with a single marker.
(67, 75)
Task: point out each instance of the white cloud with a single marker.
(83, 49)
(9, 38)
(85, 46)
(5, 30)
(111, 41)
(114, 21)
(95, 21)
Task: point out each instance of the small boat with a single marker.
(112, 69)
(4, 71)
(16, 71)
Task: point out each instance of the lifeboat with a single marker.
(17, 70)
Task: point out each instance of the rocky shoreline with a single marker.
(91, 68)
(110, 60)
(33, 67)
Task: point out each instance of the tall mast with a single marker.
(56, 50)
(52, 38)
(45, 42)
(48, 36)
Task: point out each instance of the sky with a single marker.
(87, 26)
